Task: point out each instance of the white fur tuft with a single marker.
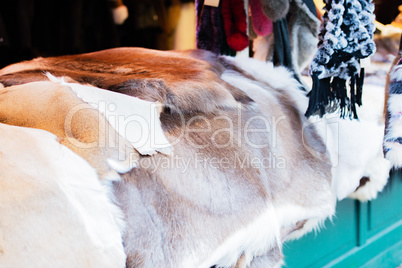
(378, 169)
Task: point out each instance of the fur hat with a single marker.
(304, 27)
(302, 31)
(275, 9)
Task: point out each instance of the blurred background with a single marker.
(32, 28)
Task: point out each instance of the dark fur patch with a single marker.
(363, 182)
(395, 88)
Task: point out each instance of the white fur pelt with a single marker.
(54, 212)
(354, 146)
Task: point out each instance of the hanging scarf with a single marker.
(393, 119)
(346, 36)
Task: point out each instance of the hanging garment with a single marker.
(235, 24)
(346, 37)
(393, 119)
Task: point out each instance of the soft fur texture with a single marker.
(59, 111)
(303, 36)
(212, 202)
(275, 9)
(134, 119)
(203, 214)
(54, 212)
(344, 138)
(179, 81)
(197, 206)
(261, 24)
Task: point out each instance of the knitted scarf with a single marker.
(346, 36)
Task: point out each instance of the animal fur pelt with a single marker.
(136, 72)
(54, 211)
(275, 9)
(182, 210)
(211, 203)
(61, 112)
(366, 172)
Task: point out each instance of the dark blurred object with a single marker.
(50, 28)
(32, 28)
(150, 24)
(144, 24)
(386, 10)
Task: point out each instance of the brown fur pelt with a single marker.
(179, 80)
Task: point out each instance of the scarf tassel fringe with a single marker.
(329, 94)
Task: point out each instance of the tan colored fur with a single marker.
(55, 108)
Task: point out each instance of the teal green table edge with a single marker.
(362, 234)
